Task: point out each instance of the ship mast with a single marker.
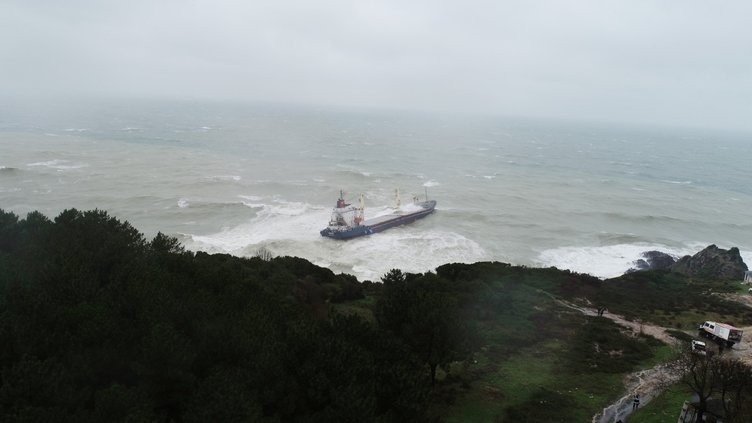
(341, 201)
(361, 216)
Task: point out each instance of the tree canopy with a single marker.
(97, 323)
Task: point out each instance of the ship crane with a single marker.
(360, 217)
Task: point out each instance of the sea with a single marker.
(246, 179)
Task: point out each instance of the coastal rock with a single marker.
(712, 262)
(653, 260)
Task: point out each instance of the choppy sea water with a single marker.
(239, 178)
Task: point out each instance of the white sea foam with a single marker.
(613, 260)
(410, 208)
(603, 261)
(46, 164)
(353, 169)
(183, 203)
(250, 197)
(276, 221)
(292, 228)
(227, 178)
(747, 257)
(253, 205)
(322, 263)
(431, 184)
(407, 248)
(70, 167)
(58, 165)
(284, 208)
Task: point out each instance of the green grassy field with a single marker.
(548, 363)
(541, 361)
(531, 368)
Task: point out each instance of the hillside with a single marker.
(98, 323)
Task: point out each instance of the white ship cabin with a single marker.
(345, 215)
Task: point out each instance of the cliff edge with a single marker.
(712, 262)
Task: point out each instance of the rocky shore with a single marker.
(711, 262)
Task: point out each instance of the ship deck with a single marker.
(378, 220)
(382, 219)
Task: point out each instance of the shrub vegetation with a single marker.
(99, 323)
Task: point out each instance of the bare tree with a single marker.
(734, 381)
(724, 378)
(698, 375)
(264, 254)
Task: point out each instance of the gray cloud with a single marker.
(678, 63)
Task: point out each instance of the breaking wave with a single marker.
(292, 228)
(605, 261)
(58, 164)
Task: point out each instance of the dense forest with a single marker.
(97, 323)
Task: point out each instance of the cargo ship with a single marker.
(348, 221)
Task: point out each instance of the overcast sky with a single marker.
(673, 62)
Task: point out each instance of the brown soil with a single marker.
(650, 382)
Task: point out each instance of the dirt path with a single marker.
(745, 299)
(743, 350)
(649, 383)
(636, 327)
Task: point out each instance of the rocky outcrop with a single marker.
(712, 262)
(653, 260)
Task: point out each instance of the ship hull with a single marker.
(382, 223)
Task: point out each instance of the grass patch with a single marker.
(478, 406)
(688, 320)
(567, 376)
(673, 300)
(521, 376)
(661, 354)
(742, 288)
(664, 408)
